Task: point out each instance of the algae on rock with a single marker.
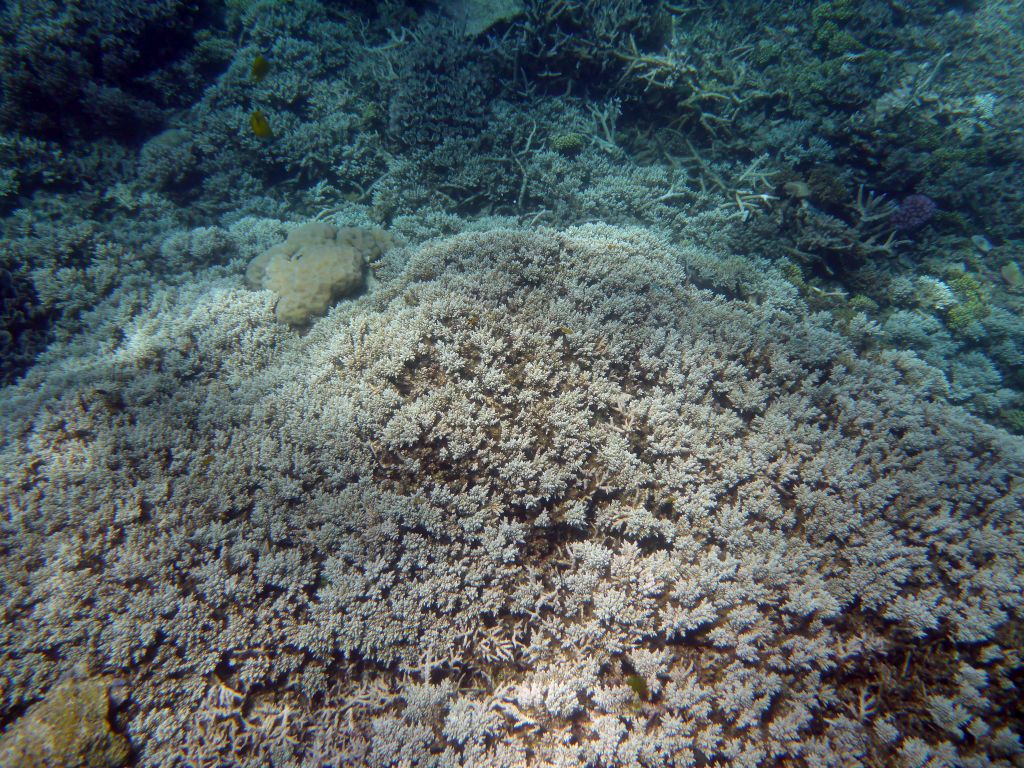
(70, 728)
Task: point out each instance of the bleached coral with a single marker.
(448, 524)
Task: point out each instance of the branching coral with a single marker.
(457, 519)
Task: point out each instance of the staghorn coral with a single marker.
(449, 524)
(445, 88)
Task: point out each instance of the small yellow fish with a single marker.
(260, 125)
(639, 686)
(260, 67)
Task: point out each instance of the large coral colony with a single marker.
(512, 383)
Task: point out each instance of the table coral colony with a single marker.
(540, 499)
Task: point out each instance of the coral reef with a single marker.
(23, 326)
(667, 436)
(460, 517)
(80, 69)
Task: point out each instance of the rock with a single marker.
(1012, 275)
(480, 15)
(70, 728)
(982, 243)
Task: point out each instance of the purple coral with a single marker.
(914, 212)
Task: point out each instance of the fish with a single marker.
(260, 67)
(260, 125)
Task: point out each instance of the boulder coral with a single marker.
(315, 266)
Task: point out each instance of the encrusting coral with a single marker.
(539, 500)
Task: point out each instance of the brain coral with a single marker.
(538, 501)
